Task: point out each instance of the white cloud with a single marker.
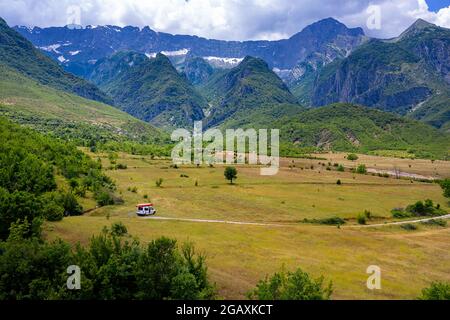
(222, 19)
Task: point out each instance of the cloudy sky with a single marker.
(229, 19)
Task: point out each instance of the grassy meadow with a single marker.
(239, 255)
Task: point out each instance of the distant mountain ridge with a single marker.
(79, 49)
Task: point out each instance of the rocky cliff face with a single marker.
(401, 75)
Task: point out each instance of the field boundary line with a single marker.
(447, 216)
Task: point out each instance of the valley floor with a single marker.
(272, 208)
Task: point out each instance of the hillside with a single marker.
(245, 90)
(35, 175)
(346, 127)
(149, 89)
(19, 54)
(46, 109)
(408, 75)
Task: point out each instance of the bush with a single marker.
(445, 185)
(297, 285)
(436, 291)
(435, 222)
(340, 168)
(104, 198)
(338, 182)
(361, 218)
(361, 169)
(368, 214)
(327, 221)
(352, 157)
(121, 166)
(409, 226)
(53, 212)
(159, 182)
(71, 205)
(118, 229)
(400, 213)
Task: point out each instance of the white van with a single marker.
(145, 209)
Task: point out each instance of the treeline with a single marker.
(29, 164)
(113, 265)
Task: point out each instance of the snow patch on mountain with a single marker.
(181, 52)
(220, 62)
(51, 48)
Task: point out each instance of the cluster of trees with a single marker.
(113, 265)
(29, 164)
(418, 209)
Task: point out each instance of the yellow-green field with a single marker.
(240, 255)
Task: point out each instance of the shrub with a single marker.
(340, 168)
(445, 185)
(327, 221)
(121, 166)
(297, 285)
(159, 182)
(435, 222)
(436, 291)
(352, 157)
(409, 226)
(361, 169)
(71, 205)
(104, 198)
(53, 212)
(338, 182)
(400, 213)
(118, 229)
(361, 218)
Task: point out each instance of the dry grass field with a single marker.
(240, 255)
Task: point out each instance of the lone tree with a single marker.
(230, 173)
(352, 157)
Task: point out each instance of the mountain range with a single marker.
(326, 63)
